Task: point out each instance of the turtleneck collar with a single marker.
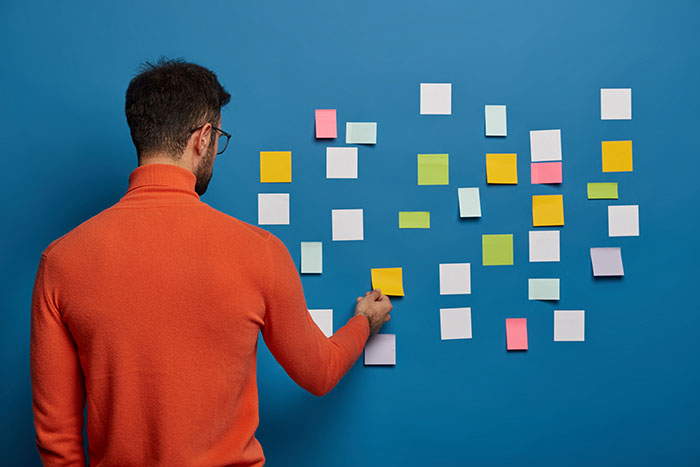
(161, 181)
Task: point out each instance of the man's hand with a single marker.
(375, 307)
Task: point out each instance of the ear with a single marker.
(201, 141)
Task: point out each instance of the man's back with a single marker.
(161, 299)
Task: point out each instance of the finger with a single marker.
(359, 298)
(387, 318)
(374, 294)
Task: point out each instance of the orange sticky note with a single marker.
(326, 126)
(388, 280)
(547, 210)
(502, 169)
(617, 156)
(545, 172)
(275, 167)
(516, 333)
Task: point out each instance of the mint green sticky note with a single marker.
(414, 220)
(433, 169)
(543, 289)
(602, 190)
(495, 116)
(361, 132)
(469, 202)
(311, 257)
(497, 250)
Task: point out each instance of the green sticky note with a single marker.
(543, 289)
(602, 190)
(311, 257)
(495, 116)
(361, 132)
(414, 220)
(433, 169)
(497, 250)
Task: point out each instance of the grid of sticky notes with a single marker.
(498, 249)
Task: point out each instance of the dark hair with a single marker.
(166, 100)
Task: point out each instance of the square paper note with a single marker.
(502, 168)
(433, 169)
(616, 104)
(495, 116)
(545, 145)
(543, 289)
(326, 123)
(547, 210)
(455, 279)
(361, 133)
(388, 280)
(623, 221)
(516, 333)
(497, 250)
(381, 350)
(435, 98)
(545, 172)
(617, 156)
(469, 202)
(569, 325)
(275, 167)
(347, 224)
(544, 246)
(273, 208)
(607, 262)
(414, 220)
(341, 162)
(602, 190)
(455, 323)
(324, 320)
(311, 257)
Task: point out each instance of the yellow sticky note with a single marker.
(388, 280)
(502, 169)
(275, 167)
(617, 156)
(547, 210)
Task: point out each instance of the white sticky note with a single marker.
(545, 145)
(543, 289)
(435, 98)
(469, 202)
(455, 323)
(381, 350)
(341, 162)
(273, 208)
(455, 279)
(361, 133)
(495, 119)
(623, 221)
(616, 104)
(544, 246)
(347, 224)
(607, 262)
(311, 257)
(569, 325)
(324, 320)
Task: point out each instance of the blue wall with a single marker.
(628, 395)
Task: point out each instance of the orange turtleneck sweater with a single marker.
(149, 312)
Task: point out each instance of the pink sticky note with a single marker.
(325, 123)
(516, 333)
(545, 172)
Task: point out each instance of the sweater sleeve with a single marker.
(58, 389)
(313, 361)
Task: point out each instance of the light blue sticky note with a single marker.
(495, 120)
(543, 289)
(469, 202)
(361, 133)
(311, 257)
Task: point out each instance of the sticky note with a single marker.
(616, 104)
(414, 220)
(607, 262)
(273, 208)
(433, 169)
(469, 202)
(569, 325)
(435, 98)
(347, 224)
(602, 190)
(341, 162)
(545, 145)
(311, 257)
(388, 280)
(516, 333)
(617, 156)
(326, 126)
(455, 323)
(455, 279)
(623, 221)
(543, 289)
(502, 169)
(324, 320)
(275, 167)
(495, 116)
(497, 250)
(381, 350)
(544, 246)
(545, 172)
(361, 133)
(547, 210)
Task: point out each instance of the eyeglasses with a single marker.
(223, 134)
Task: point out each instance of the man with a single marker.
(150, 311)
